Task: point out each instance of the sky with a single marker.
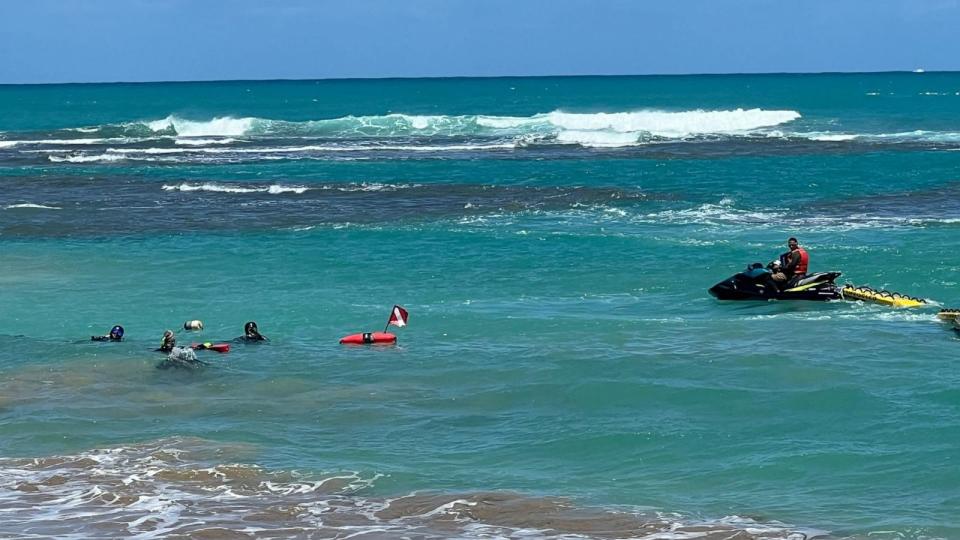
(46, 41)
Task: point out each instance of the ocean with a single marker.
(564, 373)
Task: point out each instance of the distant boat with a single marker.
(918, 70)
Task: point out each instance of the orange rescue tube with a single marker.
(367, 338)
(219, 347)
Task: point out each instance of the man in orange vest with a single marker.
(793, 264)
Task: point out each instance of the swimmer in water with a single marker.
(169, 341)
(252, 333)
(116, 334)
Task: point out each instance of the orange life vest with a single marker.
(804, 262)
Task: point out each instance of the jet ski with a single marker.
(756, 283)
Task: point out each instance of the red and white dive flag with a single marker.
(398, 317)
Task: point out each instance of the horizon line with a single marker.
(918, 71)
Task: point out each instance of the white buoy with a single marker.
(193, 325)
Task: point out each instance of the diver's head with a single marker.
(168, 337)
(792, 243)
(116, 333)
(250, 329)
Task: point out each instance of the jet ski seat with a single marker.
(812, 278)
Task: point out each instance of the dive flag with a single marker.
(398, 317)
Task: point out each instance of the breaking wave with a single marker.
(222, 126)
(439, 133)
(604, 129)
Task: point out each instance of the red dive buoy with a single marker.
(367, 338)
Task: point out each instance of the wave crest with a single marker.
(672, 125)
(220, 126)
(601, 128)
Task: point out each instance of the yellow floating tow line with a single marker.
(881, 296)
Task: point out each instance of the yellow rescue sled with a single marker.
(949, 314)
(880, 296)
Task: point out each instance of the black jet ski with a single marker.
(756, 283)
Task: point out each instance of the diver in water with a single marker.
(169, 341)
(792, 265)
(252, 333)
(116, 334)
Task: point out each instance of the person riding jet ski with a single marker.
(792, 265)
(782, 279)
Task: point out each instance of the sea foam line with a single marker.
(83, 158)
(32, 205)
(274, 189)
(315, 148)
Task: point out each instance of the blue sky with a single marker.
(149, 40)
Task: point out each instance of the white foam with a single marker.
(86, 158)
(74, 141)
(274, 189)
(921, 135)
(422, 122)
(506, 122)
(77, 142)
(204, 142)
(150, 150)
(318, 148)
(598, 139)
(364, 148)
(31, 205)
(714, 214)
(8, 144)
(827, 136)
(188, 498)
(372, 186)
(444, 147)
(674, 124)
(225, 126)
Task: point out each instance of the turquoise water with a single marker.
(553, 240)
